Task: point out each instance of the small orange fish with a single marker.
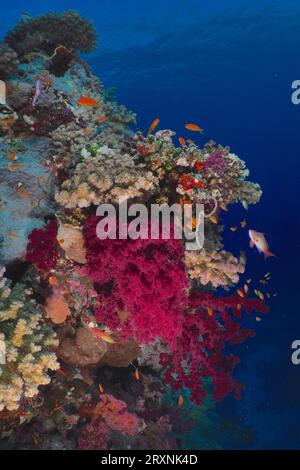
(193, 127)
(246, 288)
(259, 294)
(12, 235)
(214, 219)
(42, 179)
(233, 229)
(240, 293)
(180, 400)
(137, 374)
(182, 142)
(22, 192)
(153, 125)
(61, 241)
(86, 101)
(189, 141)
(210, 311)
(257, 318)
(243, 223)
(53, 281)
(102, 119)
(101, 388)
(11, 155)
(249, 280)
(100, 334)
(239, 306)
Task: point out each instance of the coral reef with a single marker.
(27, 342)
(135, 323)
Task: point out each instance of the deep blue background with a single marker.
(227, 65)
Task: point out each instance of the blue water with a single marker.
(227, 65)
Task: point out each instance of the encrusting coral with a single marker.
(27, 341)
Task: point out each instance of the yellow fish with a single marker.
(214, 219)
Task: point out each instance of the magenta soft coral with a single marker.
(42, 247)
(199, 349)
(141, 284)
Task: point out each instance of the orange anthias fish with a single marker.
(101, 388)
(11, 155)
(153, 125)
(258, 239)
(233, 229)
(210, 311)
(180, 400)
(182, 142)
(53, 281)
(12, 235)
(137, 374)
(87, 101)
(193, 127)
(22, 192)
(100, 334)
(240, 293)
(102, 119)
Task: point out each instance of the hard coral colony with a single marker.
(84, 313)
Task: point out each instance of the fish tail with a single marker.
(268, 253)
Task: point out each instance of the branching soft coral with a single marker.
(141, 285)
(198, 354)
(42, 247)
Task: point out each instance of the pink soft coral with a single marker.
(141, 285)
(206, 329)
(42, 248)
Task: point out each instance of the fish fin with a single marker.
(251, 244)
(268, 253)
